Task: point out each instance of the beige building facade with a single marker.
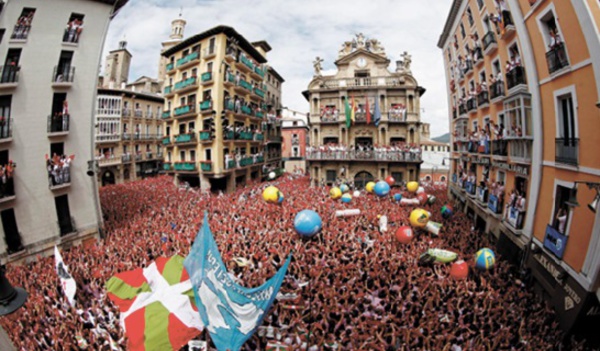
(363, 83)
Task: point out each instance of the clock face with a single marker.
(361, 62)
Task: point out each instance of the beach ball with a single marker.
(370, 186)
(390, 180)
(420, 190)
(272, 175)
(431, 199)
(356, 193)
(346, 198)
(271, 194)
(344, 188)
(459, 270)
(485, 258)
(307, 223)
(419, 218)
(422, 197)
(412, 186)
(446, 211)
(397, 197)
(335, 193)
(404, 234)
(381, 189)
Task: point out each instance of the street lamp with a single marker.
(11, 299)
(593, 206)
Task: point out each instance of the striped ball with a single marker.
(485, 258)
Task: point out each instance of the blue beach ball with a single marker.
(381, 189)
(308, 223)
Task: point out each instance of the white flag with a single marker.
(66, 280)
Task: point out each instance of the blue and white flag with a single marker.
(377, 112)
(230, 312)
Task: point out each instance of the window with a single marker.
(74, 28)
(331, 175)
(518, 117)
(566, 117)
(567, 143)
(2, 30)
(470, 17)
(474, 124)
(10, 72)
(462, 30)
(193, 155)
(12, 237)
(209, 67)
(182, 156)
(561, 214)
(5, 122)
(556, 55)
(23, 25)
(501, 177)
(64, 214)
(208, 154)
(479, 4)
(398, 177)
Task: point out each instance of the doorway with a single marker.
(108, 178)
(11, 231)
(362, 178)
(64, 214)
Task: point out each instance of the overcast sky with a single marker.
(298, 31)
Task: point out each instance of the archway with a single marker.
(362, 178)
(108, 178)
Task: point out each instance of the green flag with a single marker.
(348, 113)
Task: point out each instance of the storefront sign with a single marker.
(548, 266)
(481, 160)
(522, 170)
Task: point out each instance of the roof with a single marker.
(130, 93)
(263, 45)
(144, 79)
(449, 23)
(229, 31)
(117, 4)
(274, 73)
(376, 57)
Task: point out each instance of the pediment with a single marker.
(369, 56)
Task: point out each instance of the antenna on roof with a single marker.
(180, 11)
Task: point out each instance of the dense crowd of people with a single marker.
(396, 151)
(352, 287)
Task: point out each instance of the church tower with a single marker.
(177, 30)
(116, 71)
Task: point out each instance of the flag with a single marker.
(276, 346)
(348, 116)
(230, 312)
(377, 112)
(403, 113)
(368, 113)
(157, 305)
(352, 111)
(66, 280)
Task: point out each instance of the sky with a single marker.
(298, 31)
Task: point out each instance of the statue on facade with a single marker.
(317, 66)
(407, 59)
(360, 40)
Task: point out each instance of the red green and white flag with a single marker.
(158, 310)
(276, 346)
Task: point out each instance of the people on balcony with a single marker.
(59, 169)
(7, 187)
(73, 30)
(23, 25)
(399, 151)
(4, 127)
(561, 219)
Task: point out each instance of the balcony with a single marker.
(260, 93)
(206, 166)
(482, 196)
(126, 158)
(516, 78)
(515, 218)
(159, 155)
(468, 67)
(185, 111)
(557, 58)
(247, 64)
(186, 84)
(489, 43)
(454, 112)
(205, 136)
(483, 99)
(478, 56)
(138, 113)
(59, 175)
(110, 160)
(184, 166)
(20, 33)
(209, 52)
(259, 137)
(495, 204)
(246, 110)
(188, 59)
(5, 129)
(166, 115)
(567, 151)
(166, 140)
(127, 136)
(470, 188)
(472, 104)
(63, 77)
(7, 190)
(259, 71)
(245, 85)
(206, 106)
(149, 156)
(138, 157)
(499, 148)
(271, 138)
(259, 114)
(520, 150)
(509, 25)
(497, 91)
(126, 112)
(166, 166)
(398, 156)
(10, 76)
(185, 138)
(58, 125)
(170, 67)
(462, 109)
(168, 90)
(206, 78)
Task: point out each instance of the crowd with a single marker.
(396, 151)
(350, 288)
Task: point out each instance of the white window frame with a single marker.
(543, 28)
(565, 184)
(503, 173)
(570, 90)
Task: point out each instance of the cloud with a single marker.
(298, 31)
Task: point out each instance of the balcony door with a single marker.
(11, 231)
(63, 69)
(11, 66)
(64, 214)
